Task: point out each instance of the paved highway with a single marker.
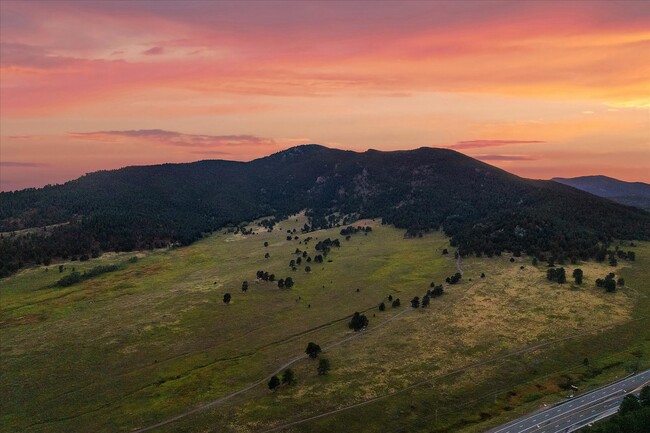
(579, 411)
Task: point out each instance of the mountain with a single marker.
(628, 193)
(483, 209)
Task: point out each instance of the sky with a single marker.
(541, 89)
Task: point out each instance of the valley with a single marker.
(153, 339)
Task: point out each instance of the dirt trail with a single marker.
(287, 364)
(526, 349)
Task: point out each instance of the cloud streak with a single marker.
(154, 51)
(17, 164)
(505, 158)
(591, 50)
(177, 139)
(482, 144)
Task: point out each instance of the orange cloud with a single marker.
(593, 51)
(394, 75)
(494, 157)
(480, 144)
(172, 138)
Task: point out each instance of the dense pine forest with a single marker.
(483, 209)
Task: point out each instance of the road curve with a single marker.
(579, 411)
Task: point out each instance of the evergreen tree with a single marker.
(323, 366)
(313, 350)
(358, 321)
(289, 377)
(577, 275)
(629, 404)
(274, 383)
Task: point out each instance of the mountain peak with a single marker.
(482, 208)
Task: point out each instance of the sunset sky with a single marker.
(541, 89)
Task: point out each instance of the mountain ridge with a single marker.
(484, 209)
(629, 193)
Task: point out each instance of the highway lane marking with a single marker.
(591, 397)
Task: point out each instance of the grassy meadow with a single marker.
(154, 339)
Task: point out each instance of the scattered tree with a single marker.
(244, 286)
(382, 306)
(454, 278)
(556, 274)
(436, 291)
(415, 302)
(609, 283)
(396, 303)
(313, 350)
(274, 383)
(226, 298)
(323, 366)
(577, 275)
(425, 301)
(289, 377)
(358, 322)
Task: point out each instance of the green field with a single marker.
(152, 340)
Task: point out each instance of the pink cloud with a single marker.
(21, 164)
(154, 51)
(493, 157)
(177, 139)
(441, 46)
(480, 144)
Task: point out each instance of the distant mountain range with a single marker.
(484, 210)
(628, 193)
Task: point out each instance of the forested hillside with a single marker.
(484, 209)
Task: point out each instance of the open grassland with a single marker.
(152, 340)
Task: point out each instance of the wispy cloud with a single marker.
(21, 137)
(154, 51)
(480, 144)
(493, 157)
(21, 164)
(178, 139)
